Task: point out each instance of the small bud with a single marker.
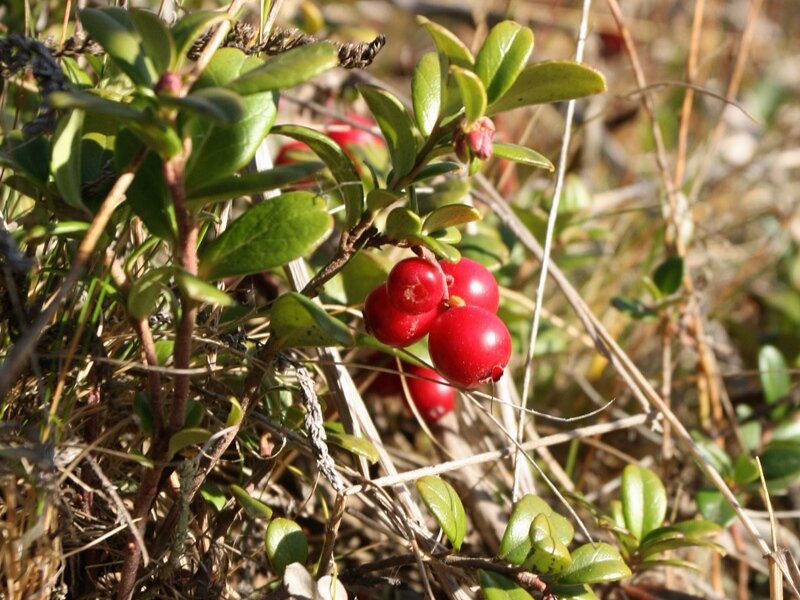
(479, 137)
(170, 84)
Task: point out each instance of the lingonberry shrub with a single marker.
(469, 345)
(391, 326)
(430, 392)
(472, 282)
(416, 285)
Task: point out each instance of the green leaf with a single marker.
(236, 413)
(143, 413)
(498, 587)
(668, 562)
(714, 507)
(225, 66)
(286, 544)
(297, 321)
(657, 547)
(288, 69)
(549, 81)
(745, 470)
(146, 290)
(220, 150)
(503, 56)
(436, 169)
(190, 27)
(445, 505)
(426, 92)
(787, 431)
(644, 500)
(549, 556)
(448, 44)
(95, 104)
(212, 103)
(595, 563)
(65, 160)
(402, 222)
(715, 455)
(781, 464)
(572, 592)
(194, 414)
(213, 495)
(362, 274)
(355, 445)
(668, 276)
(473, 94)
(187, 437)
(267, 235)
(516, 544)
(441, 249)
(395, 126)
(378, 199)
(200, 291)
(692, 529)
(774, 376)
(450, 215)
(112, 28)
(251, 183)
(253, 507)
(156, 39)
(339, 163)
(522, 155)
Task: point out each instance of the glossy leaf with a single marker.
(156, 40)
(200, 291)
(191, 27)
(252, 183)
(436, 169)
(65, 160)
(426, 92)
(450, 215)
(448, 44)
(774, 374)
(213, 495)
(657, 547)
(187, 437)
(402, 222)
(212, 103)
(288, 69)
(395, 126)
(716, 456)
(549, 81)
(522, 155)
(668, 276)
(692, 529)
(441, 249)
(549, 556)
(473, 94)
(446, 507)
(644, 500)
(780, 462)
(745, 470)
(286, 544)
(503, 56)
(225, 66)
(235, 414)
(298, 321)
(146, 290)
(358, 446)
(339, 163)
(93, 103)
(714, 507)
(253, 507)
(516, 544)
(498, 587)
(595, 563)
(113, 29)
(362, 274)
(267, 235)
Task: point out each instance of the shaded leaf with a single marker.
(395, 126)
(65, 160)
(713, 506)
(298, 321)
(402, 222)
(200, 291)
(187, 437)
(267, 235)
(288, 69)
(644, 500)
(145, 291)
(668, 276)
(156, 40)
(142, 410)
(253, 507)
(774, 375)
(213, 103)
(522, 155)
(436, 169)
(473, 94)
(549, 81)
(446, 507)
(362, 274)
(781, 464)
(503, 56)
(426, 92)
(595, 563)
(286, 544)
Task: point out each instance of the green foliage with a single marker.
(285, 543)
(445, 505)
(297, 321)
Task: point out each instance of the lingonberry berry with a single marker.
(472, 282)
(415, 286)
(430, 392)
(469, 345)
(391, 326)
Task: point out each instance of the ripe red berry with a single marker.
(430, 392)
(391, 326)
(415, 286)
(469, 345)
(472, 282)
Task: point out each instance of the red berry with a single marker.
(415, 286)
(391, 326)
(430, 392)
(472, 282)
(469, 345)
(290, 152)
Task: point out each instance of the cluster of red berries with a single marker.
(455, 305)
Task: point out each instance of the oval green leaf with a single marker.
(213, 103)
(781, 464)
(450, 215)
(426, 92)
(774, 374)
(521, 155)
(355, 445)
(498, 587)
(595, 563)
(668, 276)
(65, 160)
(473, 94)
(285, 543)
(187, 437)
(253, 507)
(402, 222)
(549, 556)
(298, 321)
(503, 56)
(516, 544)
(145, 291)
(267, 235)
(288, 69)
(156, 39)
(644, 500)
(549, 81)
(713, 506)
(339, 163)
(395, 126)
(446, 507)
(200, 291)
(448, 44)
